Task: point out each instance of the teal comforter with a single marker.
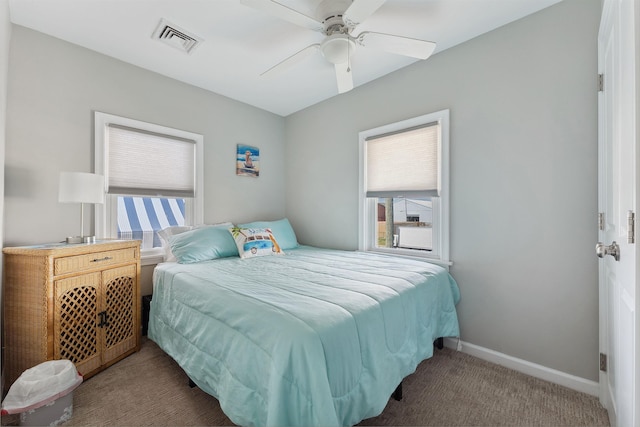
(311, 338)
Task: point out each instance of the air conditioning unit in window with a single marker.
(415, 237)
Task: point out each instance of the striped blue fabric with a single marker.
(141, 218)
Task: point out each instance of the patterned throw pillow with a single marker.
(281, 230)
(255, 242)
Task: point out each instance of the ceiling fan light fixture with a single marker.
(337, 48)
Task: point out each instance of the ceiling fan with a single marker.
(337, 19)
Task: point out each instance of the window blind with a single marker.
(150, 164)
(404, 163)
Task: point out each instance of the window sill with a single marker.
(408, 254)
(151, 257)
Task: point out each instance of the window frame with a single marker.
(367, 207)
(106, 214)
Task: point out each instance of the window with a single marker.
(153, 177)
(404, 188)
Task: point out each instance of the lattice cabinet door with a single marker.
(76, 337)
(121, 311)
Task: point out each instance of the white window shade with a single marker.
(404, 163)
(150, 164)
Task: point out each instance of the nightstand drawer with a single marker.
(79, 263)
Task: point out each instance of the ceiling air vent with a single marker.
(175, 36)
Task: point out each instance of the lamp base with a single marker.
(81, 239)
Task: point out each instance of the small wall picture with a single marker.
(248, 160)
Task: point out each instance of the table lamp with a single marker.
(80, 187)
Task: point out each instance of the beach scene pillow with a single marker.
(255, 242)
(281, 230)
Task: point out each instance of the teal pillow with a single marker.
(201, 244)
(281, 229)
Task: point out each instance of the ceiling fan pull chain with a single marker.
(348, 58)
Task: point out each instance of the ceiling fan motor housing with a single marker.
(330, 10)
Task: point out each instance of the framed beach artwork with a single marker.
(247, 160)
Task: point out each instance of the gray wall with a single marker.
(55, 86)
(523, 144)
(5, 38)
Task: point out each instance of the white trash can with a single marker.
(43, 395)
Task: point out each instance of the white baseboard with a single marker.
(557, 377)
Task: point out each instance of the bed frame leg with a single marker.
(397, 394)
(439, 343)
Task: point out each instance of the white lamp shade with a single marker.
(80, 187)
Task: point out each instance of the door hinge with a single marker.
(631, 227)
(601, 221)
(603, 362)
(600, 82)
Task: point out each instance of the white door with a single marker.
(617, 200)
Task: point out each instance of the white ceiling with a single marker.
(240, 43)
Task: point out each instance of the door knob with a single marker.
(613, 249)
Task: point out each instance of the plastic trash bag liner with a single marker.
(41, 385)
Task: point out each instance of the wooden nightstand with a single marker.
(77, 302)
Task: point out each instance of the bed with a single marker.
(312, 337)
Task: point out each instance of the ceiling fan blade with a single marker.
(291, 61)
(344, 77)
(360, 10)
(284, 12)
(406, 46)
